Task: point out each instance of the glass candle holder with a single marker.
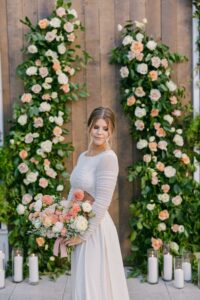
(187, 266)
(33, 269)
(2, 269)
(167, 263)
(178, 272)
(152, 257)
(17, 263)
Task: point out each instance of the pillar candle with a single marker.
(167, 267)
(152, 269)
(187, 269)
(18, 268)
(2, 278)
(178, 278)
(33, 269)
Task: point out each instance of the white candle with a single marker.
(152, 269)
(2, 279)
(18, 268)
(33, 269)
(2, 257)
(178, 278)
(187, 269)
(167, 267)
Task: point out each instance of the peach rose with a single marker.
(26, 97)
(154, 112)
(156, 243)
(75, 209)
(163, 215)
(165, 188)
(23, 154)
(154, 180)
(153, 75)
(71, 37)
(139, 56)
(57, 131)
(160, 132)
(185, 159)
(175, 227)
(56, 65)
(47, 199)
(160, 166)
(156, 125)
(34, 161)
(79, 194)
(46, 97)
(43, 182)
(38, 62)
(43, 23)
(46, 163)
(164, 63)
(153, 146)
(131, 100)
(40, 241)
(54, 219)
(47, 221)
(173, 100)
(137, 47)
(65, 88)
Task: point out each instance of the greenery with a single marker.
(33, 158)
(168, 208)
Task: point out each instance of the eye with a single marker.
(96, 127)
(106, 129)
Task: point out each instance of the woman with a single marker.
(97, 267)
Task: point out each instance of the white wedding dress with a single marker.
(97, 271)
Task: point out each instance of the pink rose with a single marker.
(156, 243)
(176, 113)
(47, 199)
(23, 168)
(43, 182)
(23, 154)
(60, 11)
(38, 122)
(26, 97)
(79, 194)
(69, 27)
(165, 188)
(175, 227)
(43, 72)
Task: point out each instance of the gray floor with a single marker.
(60, 290)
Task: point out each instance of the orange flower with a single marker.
(163, 215)
(153, 75)
(160, 132)
(43, 23)
(156, 243)
(79, 194)
(185, 159)
(23, 154)
(154, 112)
(40, 241)
(47, 199)
(137, 47)
(165, 188)
(46, 163)
(65, 88)
(131, 100)
(56, 66)
(160, 166)
(153, 146)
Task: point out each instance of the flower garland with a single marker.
(166, 210)
(37, 137)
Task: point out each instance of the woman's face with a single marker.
(99, 132)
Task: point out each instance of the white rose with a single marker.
(57, 227)
(130, 55)
(43, 71)
(140, 112)
(58, 120)
(41, 153)
(62, 78)
(171, 86)
(151, 45)
(26, 199)
(60, 11)
(50, 36)
(139, 124)
(28, 138)
(124, 72)
(127, 40)
(20, 209)
(54, 95)
(86, 207)
(51, 119)
(139, 37)
(23, 168)
(38, 196)
(142, 68)
(139, 25)
(69, 27)
(152, 138)
(178, 140)
(169, 119)
(44, 106)
(169, 171)
(38, 205)
(32, 177)
(139, 92)
(36, 88)
(141, 144)
(163, 197)
(31, 71)
(150, 206)
(46, 146)
(52, 54)
(177, 153)
(32, 49)
(36, 134)
(55, 22)
(22, 120)
(179, 131)
(181, 228)
(155, 61)
(80, 223)
(73, 12)
(60, 188)
(147, 158)
(155, 94)
(119, 27)
(162, 145)
(48, 79)
(177, 200)
(162, 226)
(46, 86)
(61, 48)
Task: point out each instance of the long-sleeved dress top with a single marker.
(97, 266)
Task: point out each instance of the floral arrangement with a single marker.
(62, 219)
(166, 211)
(37, 143)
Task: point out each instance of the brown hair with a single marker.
(102, 113)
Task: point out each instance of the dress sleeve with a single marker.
(106, 177)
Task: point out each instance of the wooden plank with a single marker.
(137, 10)
(45, 8)
(184, 46)
(5, 64)
(153, 15)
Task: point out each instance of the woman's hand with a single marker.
(73, 241)
(88, 197)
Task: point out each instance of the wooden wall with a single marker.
(168, 20)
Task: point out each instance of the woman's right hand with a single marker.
(88, 197)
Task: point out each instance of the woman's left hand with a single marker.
(73, 241)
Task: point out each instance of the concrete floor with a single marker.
(60, 290)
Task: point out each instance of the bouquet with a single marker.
(61, 220)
